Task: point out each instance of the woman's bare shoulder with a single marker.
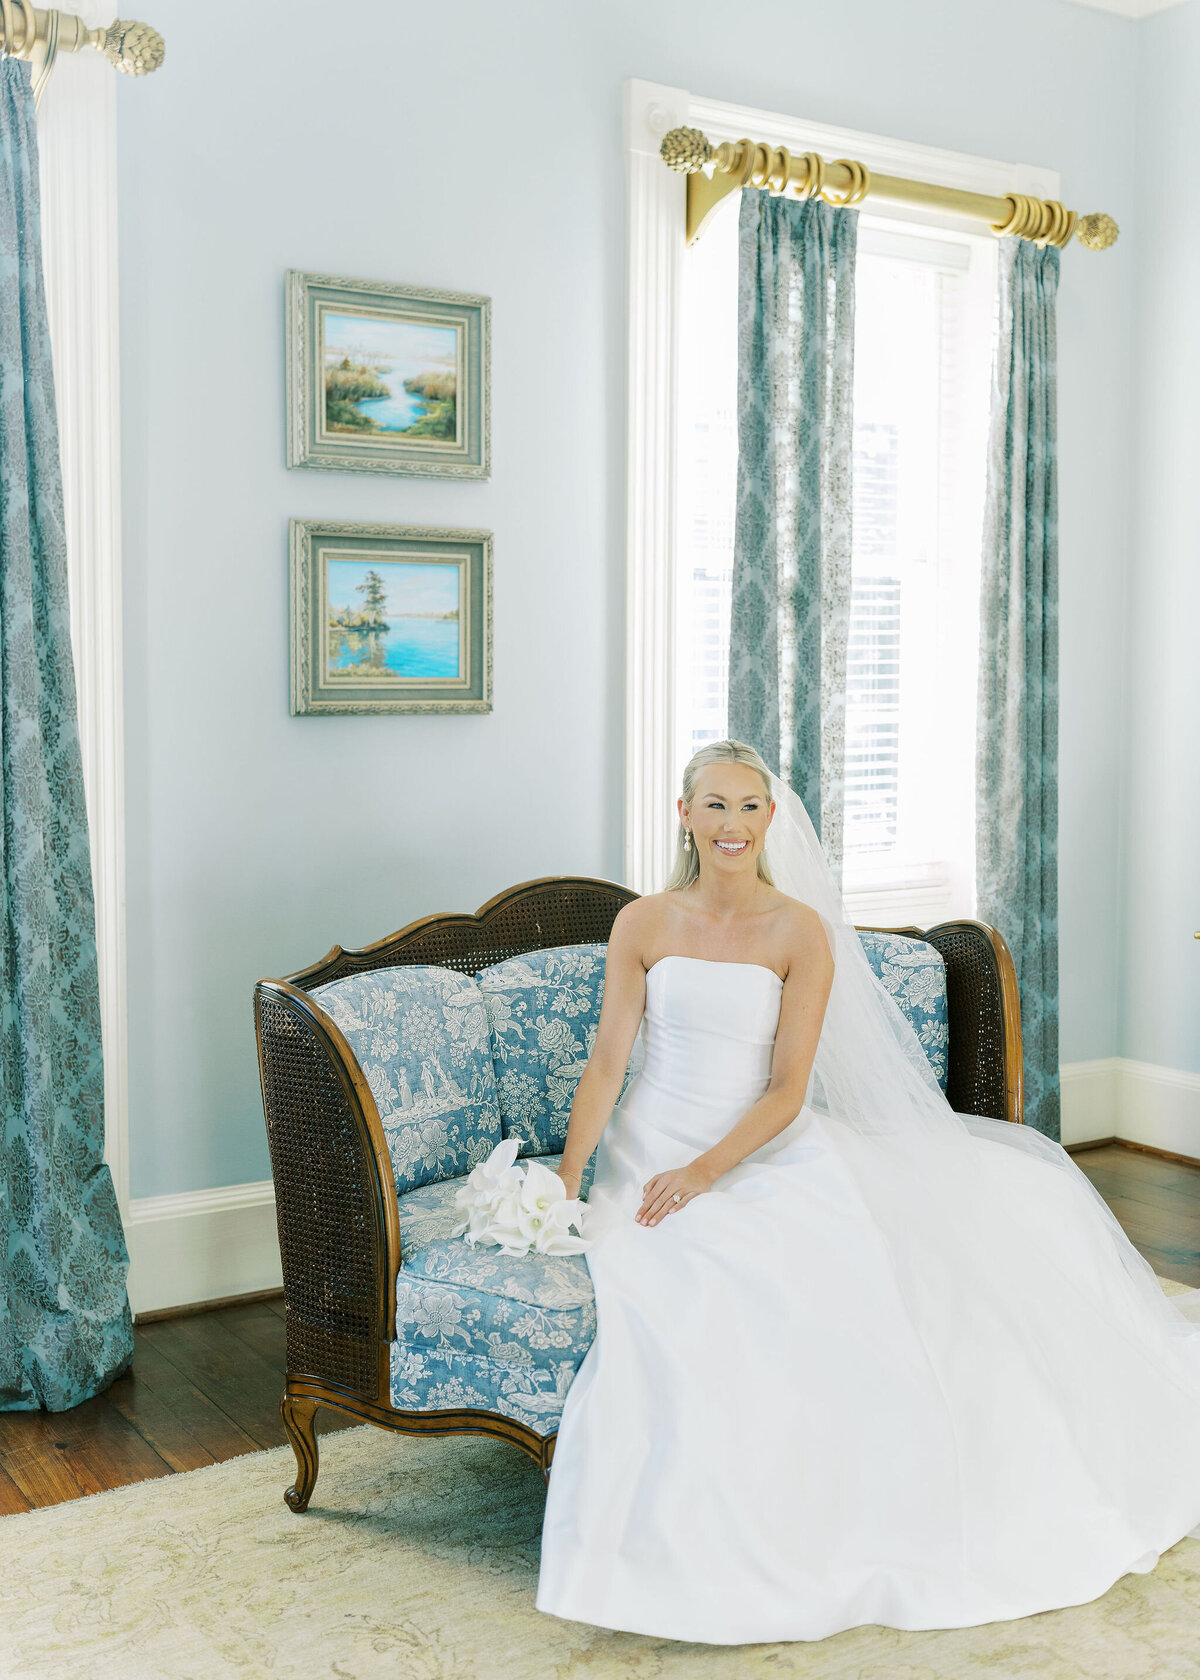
(802, 928)
(652, 904)
(641, 917)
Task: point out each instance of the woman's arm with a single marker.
(801, 1013)
(620, 1016)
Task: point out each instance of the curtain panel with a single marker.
(1017, 744)
(790, 608)
(65, 1327)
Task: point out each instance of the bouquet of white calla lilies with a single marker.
(519, 1210)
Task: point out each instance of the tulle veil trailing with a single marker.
(872, 1077)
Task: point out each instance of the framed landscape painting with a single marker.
(389, 618)
(385, 378)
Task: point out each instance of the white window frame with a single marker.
(655, 246)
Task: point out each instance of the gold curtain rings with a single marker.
(1062, 224)
(9, 25)
(780, 171)
(1044, 221)
(860, 184)
(813, 184)
(775, 169)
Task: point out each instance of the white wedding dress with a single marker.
(862, 1380)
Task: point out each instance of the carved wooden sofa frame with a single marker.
(335, 1195)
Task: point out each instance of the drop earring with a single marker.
(687, 839)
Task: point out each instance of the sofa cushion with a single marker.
(430, 1212)
(491, 1332)
(543, 1009)
(915, 974)
(420, 1036)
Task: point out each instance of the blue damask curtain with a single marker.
(1017, 754)
(65, 1329)
(790, 611)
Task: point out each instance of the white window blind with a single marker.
(923, 343)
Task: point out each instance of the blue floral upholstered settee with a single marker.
(388, 1073)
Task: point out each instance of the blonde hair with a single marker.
(686, 867)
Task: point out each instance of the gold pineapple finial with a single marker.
(26, 30)
(1097, 231)
(686, 150)
(135, 48)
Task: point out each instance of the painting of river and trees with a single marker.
(393, 620)
(388, 377)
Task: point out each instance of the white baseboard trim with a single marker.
(1089, 1100)
(1159, 1106)
(202, 1246)
(1137, 1101)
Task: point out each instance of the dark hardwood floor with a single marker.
(205, 1386)
(1157, 1202)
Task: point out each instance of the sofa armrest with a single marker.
(985, 1020)
(985, 1059)
(335, 1196)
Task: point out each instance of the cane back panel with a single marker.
(328, 1197)
(556, 910)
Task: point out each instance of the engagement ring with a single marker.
(675, 1197)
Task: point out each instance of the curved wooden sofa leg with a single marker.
(299, 1419)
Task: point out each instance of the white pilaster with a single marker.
(655, 248)
(77, 142)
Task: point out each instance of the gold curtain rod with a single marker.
(748, 163)
(27, 32)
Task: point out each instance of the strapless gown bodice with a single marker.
(844, 1388)
(708, 1046)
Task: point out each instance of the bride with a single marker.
(860, 1359)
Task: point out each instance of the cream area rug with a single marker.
(418, 1561)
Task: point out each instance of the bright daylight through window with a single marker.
(923, 347)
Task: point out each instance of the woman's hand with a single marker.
(667, 1192)
(572, 1180)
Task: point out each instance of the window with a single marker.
(923, 345)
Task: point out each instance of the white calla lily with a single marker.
(519, 1210)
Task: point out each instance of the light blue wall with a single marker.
(479, 148)
(1161, 993)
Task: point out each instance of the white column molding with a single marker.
(77, 143)
(655, 246)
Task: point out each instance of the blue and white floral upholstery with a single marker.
(544, 1008)
(915, 974)
(426, 1214)
(476, 1328)
(420, 1036)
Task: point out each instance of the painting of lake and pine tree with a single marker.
(386, 377)
(395, 619)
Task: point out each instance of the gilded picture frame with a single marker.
(386, 378)
(389, 619)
